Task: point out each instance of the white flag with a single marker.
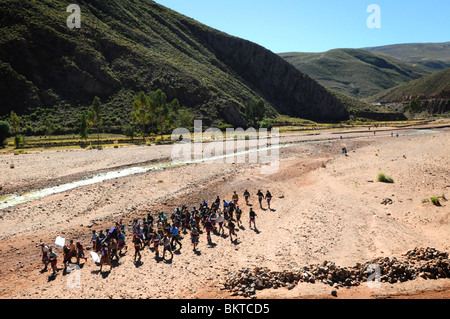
(60, 241)
(95, 257)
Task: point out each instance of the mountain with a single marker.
(125, 46)
(355, 72)
(430, 94)
(433, 86)
(434, 56)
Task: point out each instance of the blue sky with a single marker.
(321, 25)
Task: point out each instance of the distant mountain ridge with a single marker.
(355, 72)
(434, 56)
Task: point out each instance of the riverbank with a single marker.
(326, 207)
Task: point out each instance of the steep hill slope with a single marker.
(431, 94)
(357, 73)
(124, 46)
(433, 86)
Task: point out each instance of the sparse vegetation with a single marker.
(435, 201)
(382, 178)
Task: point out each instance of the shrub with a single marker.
(4, 132)
(266, 123)
(17, 141)
(129, 131)
(382, 178)
(435, 201)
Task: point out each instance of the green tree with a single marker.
(48, 126)
(255, 112)
(5, 129)
(142, 112)
(128, 131)
(84, 126)
(15, 123)
(414, 106)
(94, 116)
(184, 118)
(161, 110)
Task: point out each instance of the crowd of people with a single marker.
(162, 233)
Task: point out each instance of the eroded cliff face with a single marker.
(287, 89)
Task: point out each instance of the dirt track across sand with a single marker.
(326, 207)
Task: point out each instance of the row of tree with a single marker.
(154, 110)
(151, 112)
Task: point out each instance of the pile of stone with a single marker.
(427, 263)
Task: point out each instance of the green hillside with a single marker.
(125, 46)
(357, 73)
(433, 86)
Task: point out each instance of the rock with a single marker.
(427, 263)
(334, 293)
(387, 201)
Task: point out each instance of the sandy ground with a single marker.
(325, 207)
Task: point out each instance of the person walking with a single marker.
(175, 237)
(260, 197)
(104, 259)
(208, 229)
(235, 198)
(268, 198)
(53, 259)
(80, 253)
(231, 230)
(167, 246)
(121, 243)
(195, 237)
(246, 196)
(238, 215)
(94, 240)
(156, 242)
(137, 241)
(252, 215)
(45, 257)
(220, 219)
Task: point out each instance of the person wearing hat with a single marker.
(53, 260)
(45, 258)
